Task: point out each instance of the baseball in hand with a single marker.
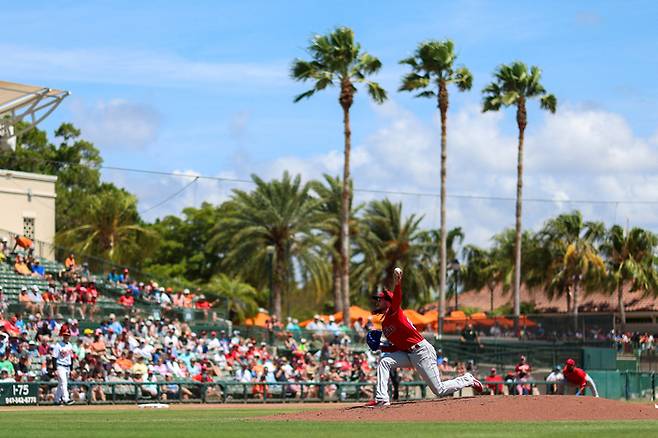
(398, 272)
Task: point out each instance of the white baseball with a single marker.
(398, 271)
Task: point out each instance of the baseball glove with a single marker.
(373, 339)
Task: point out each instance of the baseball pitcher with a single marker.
(407, 349)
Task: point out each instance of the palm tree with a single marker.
(330, 197)
(112, 232)
(483, 269)
(240, 298)
(514, 85)
(279, 214)
(430, 241)
(400, 243)
(629, 256)
(577, 263)
(338, 60)
(432, 69)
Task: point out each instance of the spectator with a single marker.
(522, 370)
(4, 249)
(178, 299)
(494, 382)
(7, 365)
(114, 277)
(24, 242)
(316, 325)
(21, 268)
(38, 269)
(469, 337)
(127, 300)
(36, 299)
(332, 326)
(6, 376)
(70, 263)
(24, 300)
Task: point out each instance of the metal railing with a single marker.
(127, 392)
(634, 385)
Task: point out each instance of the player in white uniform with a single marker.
(62, 354)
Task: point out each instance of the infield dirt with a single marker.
(486, 408)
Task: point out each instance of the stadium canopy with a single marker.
(24, 103)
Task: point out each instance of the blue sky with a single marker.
(203, 88)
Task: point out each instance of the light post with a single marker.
(270, 260)
(456, 269)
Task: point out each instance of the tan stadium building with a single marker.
(27, 207)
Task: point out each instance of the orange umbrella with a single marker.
(356, 312)
(259, 320)
(417, 319)
(523, 320)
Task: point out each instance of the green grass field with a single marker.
(132, 422)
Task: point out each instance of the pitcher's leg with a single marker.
(591, 384)
(424, 361)
(388, 362)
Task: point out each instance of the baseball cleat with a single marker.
(69, 403)
(377, 404)
(477, 386)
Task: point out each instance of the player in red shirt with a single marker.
(408, 349)
(578, 377)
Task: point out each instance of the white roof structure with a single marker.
(24, 103)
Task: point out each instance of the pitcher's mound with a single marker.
(486, 408)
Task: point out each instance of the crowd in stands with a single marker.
(160, 351)
(630, 342)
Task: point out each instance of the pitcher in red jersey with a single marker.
(408, 349)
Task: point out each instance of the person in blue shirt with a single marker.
(114, 324)
(38, 269)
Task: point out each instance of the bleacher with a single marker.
(12, 282)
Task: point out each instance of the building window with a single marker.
(28, 227)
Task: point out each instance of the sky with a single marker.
(203, 88)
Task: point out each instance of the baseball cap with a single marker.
(570, 362)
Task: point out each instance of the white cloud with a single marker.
(117, 123)
(590, 141)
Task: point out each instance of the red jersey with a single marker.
(575, 376)
(396, 326)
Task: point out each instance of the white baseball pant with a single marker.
(423, 360)
(62, 392)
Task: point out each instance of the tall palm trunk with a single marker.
(277, 286)
(521, 121)
(620, 304)
(575, 304)
(338, 291)
(443, 109)
(346, 99)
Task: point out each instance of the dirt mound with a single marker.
(486, 408)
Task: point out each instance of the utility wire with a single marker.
(385, 192)
(170, 197)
